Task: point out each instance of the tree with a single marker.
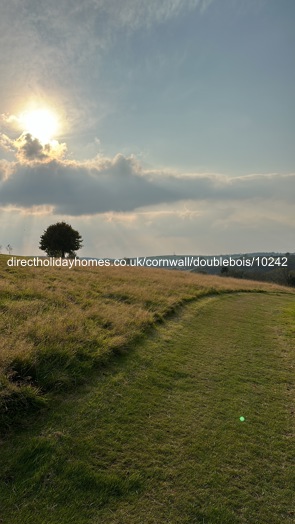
(59, 239)
(9, 249)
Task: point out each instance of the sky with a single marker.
(159, 127)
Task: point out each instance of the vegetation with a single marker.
(157, 437)
(59, 239)
(154, 434)
(57, 324)
(284, 276)
(277, 268)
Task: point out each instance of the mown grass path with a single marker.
(157, 438)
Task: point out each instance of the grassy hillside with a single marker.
(157, 436)
(57, 324)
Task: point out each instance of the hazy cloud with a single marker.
(120, 184)
(51, 50)
(135, 13)
(6, 143)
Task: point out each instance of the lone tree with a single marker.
(59, 239)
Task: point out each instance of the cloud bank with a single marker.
(42, 176)
(122, 208)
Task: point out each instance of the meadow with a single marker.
(57, 324)
(122, 391)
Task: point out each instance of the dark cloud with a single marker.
(30, 148)
(121, 185)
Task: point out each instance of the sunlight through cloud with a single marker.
(40, 123)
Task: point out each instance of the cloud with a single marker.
(121, 184)
(213, 227)
(6, 143)
(6, 169)
(135, 13)
(29, 149)
(54, 51)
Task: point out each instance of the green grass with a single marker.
(156, 436)
(58, 325)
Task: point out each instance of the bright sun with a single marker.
(40, 123)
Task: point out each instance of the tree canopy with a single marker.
(60, 239)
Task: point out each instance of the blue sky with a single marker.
(176, 124)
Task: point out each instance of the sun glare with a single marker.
(40, 123)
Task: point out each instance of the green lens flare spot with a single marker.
(242, 419)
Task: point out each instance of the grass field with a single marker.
(154, 435)
(58, 324)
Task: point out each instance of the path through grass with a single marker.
(157, 438)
